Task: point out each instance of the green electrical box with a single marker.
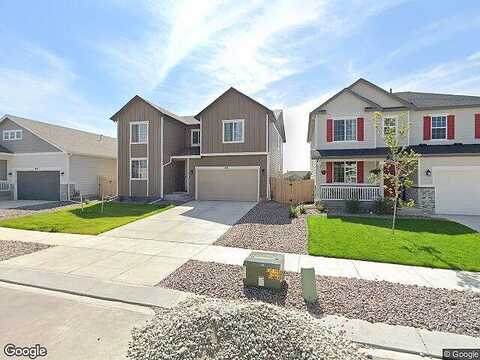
(264, 269)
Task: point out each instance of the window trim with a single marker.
(230, 122)
(344, 119)
(16, 131)
(191, 137)
(345, 172)
(131, 168)
(131, 133)
(394, 117)
(446, 127)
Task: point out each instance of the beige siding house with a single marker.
(346, 146)
(41, 161)
(227, 151)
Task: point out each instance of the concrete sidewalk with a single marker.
(396, 338)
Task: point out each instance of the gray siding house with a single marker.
(444, 129)
(41, 161)
(228, 151)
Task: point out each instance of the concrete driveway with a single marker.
(69, 327)
(195, 222)
(13, 204)
(472, 221)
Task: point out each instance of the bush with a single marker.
(301, 209)
(292, 212)
(320, 206)
(383, 206)
(352, 206)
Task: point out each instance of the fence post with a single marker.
(81, 200)
(102, 202)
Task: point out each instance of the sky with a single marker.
(75, 63)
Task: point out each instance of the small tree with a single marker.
(401, 161)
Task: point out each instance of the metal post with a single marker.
(102, 203)
(81, 201)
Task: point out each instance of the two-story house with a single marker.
(228, 151)
(347, 145)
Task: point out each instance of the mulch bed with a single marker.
(34, 209)
(374, 301)
(10, 249)
(268, 227)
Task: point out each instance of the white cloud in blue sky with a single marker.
(76, 63)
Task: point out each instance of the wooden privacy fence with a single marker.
(106, 186)
(292, 192)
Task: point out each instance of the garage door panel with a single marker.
(227, 184)
(457, 191)
(38, 185)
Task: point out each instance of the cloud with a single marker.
(42, 86)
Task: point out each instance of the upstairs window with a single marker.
(389, 125)
(233, 131)
(439, 127)
(195, 137)
(12, 135)
(345, 130)
(345, 172)
(138, 132)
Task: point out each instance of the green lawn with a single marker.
(90, 221)
(422, 242)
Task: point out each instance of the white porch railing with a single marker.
(4, 186)
(350, 192)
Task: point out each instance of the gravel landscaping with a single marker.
(374, 301)
(213, 329)
(33, 209)
(268, 227)
(10, 249)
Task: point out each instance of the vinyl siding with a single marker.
(85, 170)
(30, 142)
(188, 133)
(430, 162)
(233, 105)
(275, 146)
(240, 160)
(174, 141)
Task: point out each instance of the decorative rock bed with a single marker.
(374, 301)
(10, 249)
(214, 329)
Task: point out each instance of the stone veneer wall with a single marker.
(426, 199)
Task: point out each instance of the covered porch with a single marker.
(6, 187)
(350, 179)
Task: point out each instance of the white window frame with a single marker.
(230, 122)
(345, 172)
(17, 135)
(131, 168)
(344, 119)
(191, 137)
(131, 133)
(395, 127)
(446, 127)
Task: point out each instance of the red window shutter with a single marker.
(477, 126)
(329, 172)
(427, 128)
(329, 130)
(451, 126)
(360, 129)
(360, 179)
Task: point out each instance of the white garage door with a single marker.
(239, 183)
(457, 189)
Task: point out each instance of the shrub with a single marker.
(301, 209)
(320, 206)
(383, 206)
(292, 212)
(352, 206)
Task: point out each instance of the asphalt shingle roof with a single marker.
(422, 100)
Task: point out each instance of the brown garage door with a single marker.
(227, 183)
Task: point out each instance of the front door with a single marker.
(179, 176)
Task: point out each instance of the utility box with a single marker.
(264, 269)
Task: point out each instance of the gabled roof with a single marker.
(431, 100)
(69, 140)
(392, 95)
(187, 120)
(277, 119)
(349, 91)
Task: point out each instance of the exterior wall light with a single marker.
(428, 172)
(323, 171)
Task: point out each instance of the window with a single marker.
(389, 124)
(138, 132)
(439, 127)
(12, 135)
(345, 172)
(345, 130)
(233, 131)
(195, 137)
(139, 169)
